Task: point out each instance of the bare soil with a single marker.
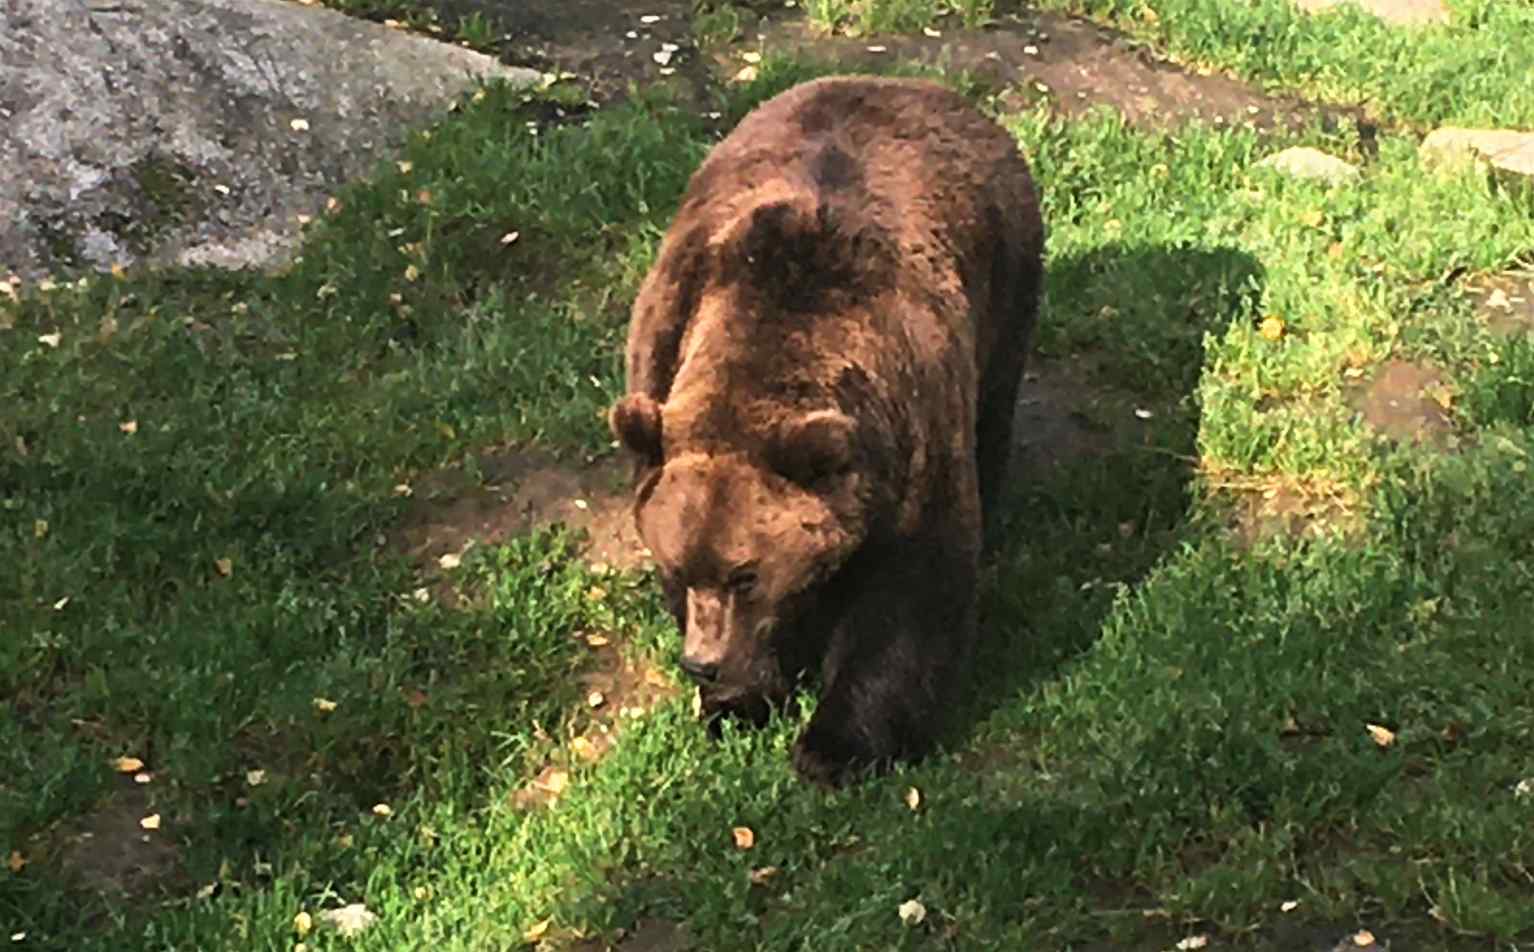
(1406, 402)
(1078, 65)
(521, 490)
(612, 44)
(108, 852)
(1506, 303)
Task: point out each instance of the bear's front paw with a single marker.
(828, 758)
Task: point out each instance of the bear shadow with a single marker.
(1100, 487)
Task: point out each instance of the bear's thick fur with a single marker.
(822, 369)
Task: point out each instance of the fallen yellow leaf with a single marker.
(536, 930)
(555, 782)
(1384, 737)
(760, 877)
(127, 765)
(584, 749)
(1363, 937)
(1271, 328)
(324, 705)
(744, 838)
(129, 427)
(224, 566)
(912, 912)
(150, 822)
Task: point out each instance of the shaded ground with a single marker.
(1077, 64)
(516, 491)
(614, 43)
(110, 852)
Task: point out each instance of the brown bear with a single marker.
(822, 368)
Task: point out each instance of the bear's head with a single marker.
(744, 542)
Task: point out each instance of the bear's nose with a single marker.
(704, 671)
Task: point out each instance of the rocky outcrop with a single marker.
(196, 131)
(1507, 151)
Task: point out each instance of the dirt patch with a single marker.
(1076, 63)
(1407, 402)
(109, 852)
(1060, 417)
(1284, 511)
(616, 688)
(608, 44)
(648, 935)
(614, 43)
(1506, 303)
(514, 492)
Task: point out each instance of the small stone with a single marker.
(1306, 163)
(912, 912)
(349, 920)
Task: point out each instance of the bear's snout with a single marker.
(701, 670)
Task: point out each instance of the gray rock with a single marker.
(196, 131)
(1506, 151)
(1398, 12)
(1307, 163)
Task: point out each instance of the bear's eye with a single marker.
(741, 581)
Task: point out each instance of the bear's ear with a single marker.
(635, 421)
(812, 446)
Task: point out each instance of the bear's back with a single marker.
(912, 155)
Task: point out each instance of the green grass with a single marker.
(1477, 70)
(1166, 718)
(872, 17)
